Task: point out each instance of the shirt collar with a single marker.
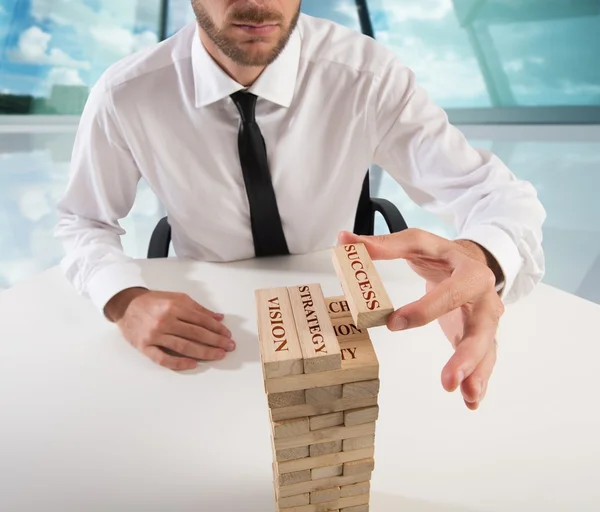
(277, 82)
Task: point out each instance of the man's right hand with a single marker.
(159, 322)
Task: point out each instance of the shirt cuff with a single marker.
(501, 246)
(109, 281)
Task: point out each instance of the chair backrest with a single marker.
(364, 224)
(364, 221)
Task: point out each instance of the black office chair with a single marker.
(364, 223)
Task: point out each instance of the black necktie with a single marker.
(267, 231)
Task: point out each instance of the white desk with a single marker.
(88, 424)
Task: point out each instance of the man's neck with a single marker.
(244, 75)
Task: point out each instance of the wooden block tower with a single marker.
(321, 378)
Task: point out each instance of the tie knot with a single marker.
(246, 104)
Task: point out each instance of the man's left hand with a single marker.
(460, 293)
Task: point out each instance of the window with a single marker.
(496, 53)
(53, 51)
(343, 12)
(179, 14)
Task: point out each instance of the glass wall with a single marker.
(53, 51)
(496, 53)
(486, 56)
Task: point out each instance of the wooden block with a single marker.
(295, 501)
(326, 472)
(361, 389)
(356, 489)
(337, 306)
(358, 467)
(359, 508)
(327, 448)
(325, 435)
(297, 411)
(369, 303)
(324, 483)
(359, 416)
(333, 419)
(330, 459)
(288, 454)
(359, 362)
(357, 353)
(358, 443)
(280, 350)
(325, 495)
(319, 345)
(317, 507)
(290, 428)
(286, 399)
(332, 506)
(324, 394)
(345, 329)
(295, 477)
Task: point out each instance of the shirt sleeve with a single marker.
(470, 188)
(101, 190)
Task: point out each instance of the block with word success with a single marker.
(369, 303)
(318, 342)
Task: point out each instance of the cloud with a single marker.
(82, 15)
(397, 12)
(518, 65)
(122, 41)
(33, 49)
(64, 76)
(445, 75)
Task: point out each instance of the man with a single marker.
(254, 126)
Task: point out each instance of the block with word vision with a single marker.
(280, 349)
(368, 301)
(322, 412)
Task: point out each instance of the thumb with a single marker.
(379, 247)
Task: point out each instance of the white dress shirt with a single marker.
(333, 103)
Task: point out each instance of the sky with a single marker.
(530, 59)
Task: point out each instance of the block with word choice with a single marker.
(367, 298)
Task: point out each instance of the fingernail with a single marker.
(231, 346)
(399, 324)
(461, 377)
(479, 388)
(229, 333)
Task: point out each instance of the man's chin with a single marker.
(256, 53)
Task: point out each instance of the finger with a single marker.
(202, 309)
(474, 387)
(190, 349)
(167, 361)
(407, 244)
(196, 332)
(196, 318)
(459, 289)
(481, 324)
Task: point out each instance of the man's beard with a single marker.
(249, 14)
